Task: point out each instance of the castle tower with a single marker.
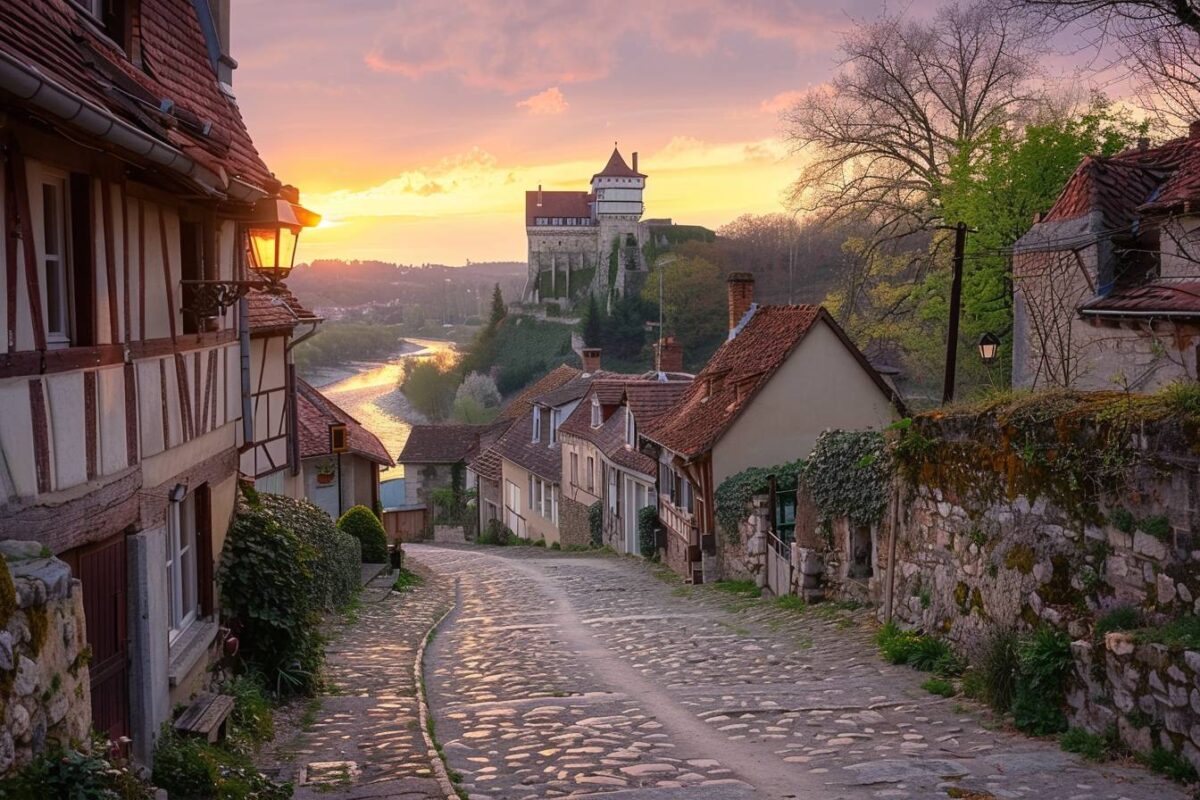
(618, 189)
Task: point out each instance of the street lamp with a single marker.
(271, 239)
(989, 347)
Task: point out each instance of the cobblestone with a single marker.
(576, 675)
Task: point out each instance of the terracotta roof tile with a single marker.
(276, 311)
(617, 168)
(315, 413)
(576, 205)
(439, 444)
(1166, 297)
(649, 398)
(487, 461)
(52, 36)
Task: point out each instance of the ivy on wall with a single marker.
(737, 490)
(848, 475)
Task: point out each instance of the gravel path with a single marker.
(564, 674)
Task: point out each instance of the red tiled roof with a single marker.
(439, 444)
(486, 463)
(1164, 297)
(557, 204)
(315, 413)
(648, 398)
(541, 458)
(279, 311)
(51, 36)
(736, 373)
(1121, 186)
(617, 168)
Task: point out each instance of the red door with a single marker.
(102, 571)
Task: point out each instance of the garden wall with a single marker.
(44, 683)
(1056, 510)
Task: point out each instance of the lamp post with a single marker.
(989, 347)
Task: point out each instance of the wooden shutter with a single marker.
(204, 550)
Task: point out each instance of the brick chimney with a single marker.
(635, 161)
(591, 360)
(539, 205)
(668, 355)
(741, 296)
(1194, 129)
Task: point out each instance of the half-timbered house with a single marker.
(127, 179)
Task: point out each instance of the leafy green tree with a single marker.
(591, 322)
(499, 309)
(693, 305)
(429, 387)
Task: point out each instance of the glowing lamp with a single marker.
(989, 347)
(272, 238)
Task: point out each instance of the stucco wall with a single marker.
(821, 386)
(536, 526)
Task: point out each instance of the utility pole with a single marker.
(960, 244)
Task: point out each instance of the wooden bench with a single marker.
(207, 717)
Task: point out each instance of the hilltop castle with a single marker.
(589, 241)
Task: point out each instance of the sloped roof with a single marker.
(557, 204)
(279, 311)
(53, 37)
(315, 413)
(617, 168)
(1164, 297)
(737, 372)
(541, 458)
(648, 398)
(486, 463)
(439, 444)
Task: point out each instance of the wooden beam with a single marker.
(110, 260)
(32, 284)
(41, 434)
(169, 282)
(11, 224)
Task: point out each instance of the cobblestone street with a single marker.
(563, 674)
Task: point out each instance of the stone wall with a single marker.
(744, 557)
(1056, 514)
(573, 523)
(44, 682)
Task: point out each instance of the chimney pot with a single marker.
(741, 297)
(591, 360)
(1194, 130)
(539, 196)
(635, 169)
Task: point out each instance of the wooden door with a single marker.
(102, 571)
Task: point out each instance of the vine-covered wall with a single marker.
(1073, 511)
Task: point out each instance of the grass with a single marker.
(405, 580)
(1097, 747)
(1181, 633)
(791, 602)
(939, 686)
(739, 588)
(1121, 618)
(1170, 765)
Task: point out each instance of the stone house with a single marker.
(1105, 288)
(128, 186)
(601, 462)
(785, 374)
(341, 459)
(435, 457)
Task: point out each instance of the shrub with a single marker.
(1121, 618)
(1043, 663)
(496, 532)
(190, 768)
(647, 521)
(1172, 765)
(939, 686)
(361, 523)
(895, 644)
(76, 775)
(252, 719)
(1092, 746)
(998, 671)
(928, 653)
(1182, 633)
(338, 577)
(266, 576)
(596, 524)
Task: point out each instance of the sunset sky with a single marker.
(415, 126)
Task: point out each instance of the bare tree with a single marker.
(910, 101)
(1157, 41)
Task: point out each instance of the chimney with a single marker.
(668, 355)
(224, 64)
(635, 161)
(591, 360)
(539, 195)
(1194, 129)
(741, 296)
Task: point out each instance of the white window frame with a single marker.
(182, 590)
(630, 429)
(591, 470)
(58, 331)
(537, 424)
(613, 488)
(596, 420)
(574, 468)
(554, 414)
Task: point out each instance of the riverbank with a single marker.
(326, 376)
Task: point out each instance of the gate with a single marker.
(782, 508)
(102, 571)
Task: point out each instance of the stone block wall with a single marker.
(573, 527)
(744, 557)
(44, 683)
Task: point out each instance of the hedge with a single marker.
(338, 577)
(361, 523)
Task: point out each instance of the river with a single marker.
(369, 393)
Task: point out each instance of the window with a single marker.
(54, 261)
(554, 413)
(591, 465)
(612, 492)
(596, 421)
(537, 424)
(181, 564)
(574, 468)
(541, 495)
(630, 429)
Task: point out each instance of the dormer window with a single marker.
(596, 419)
(630, 430)
(537, 424)
(554, 418)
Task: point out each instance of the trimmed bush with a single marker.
(338, 576)
(647, 520)
(361, 523)
(266, 577)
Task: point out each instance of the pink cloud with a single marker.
(781, 102)
(522, 44)
(550, 101)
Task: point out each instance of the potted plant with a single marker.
(325, 473)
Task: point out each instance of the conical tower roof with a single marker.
(617, 168)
